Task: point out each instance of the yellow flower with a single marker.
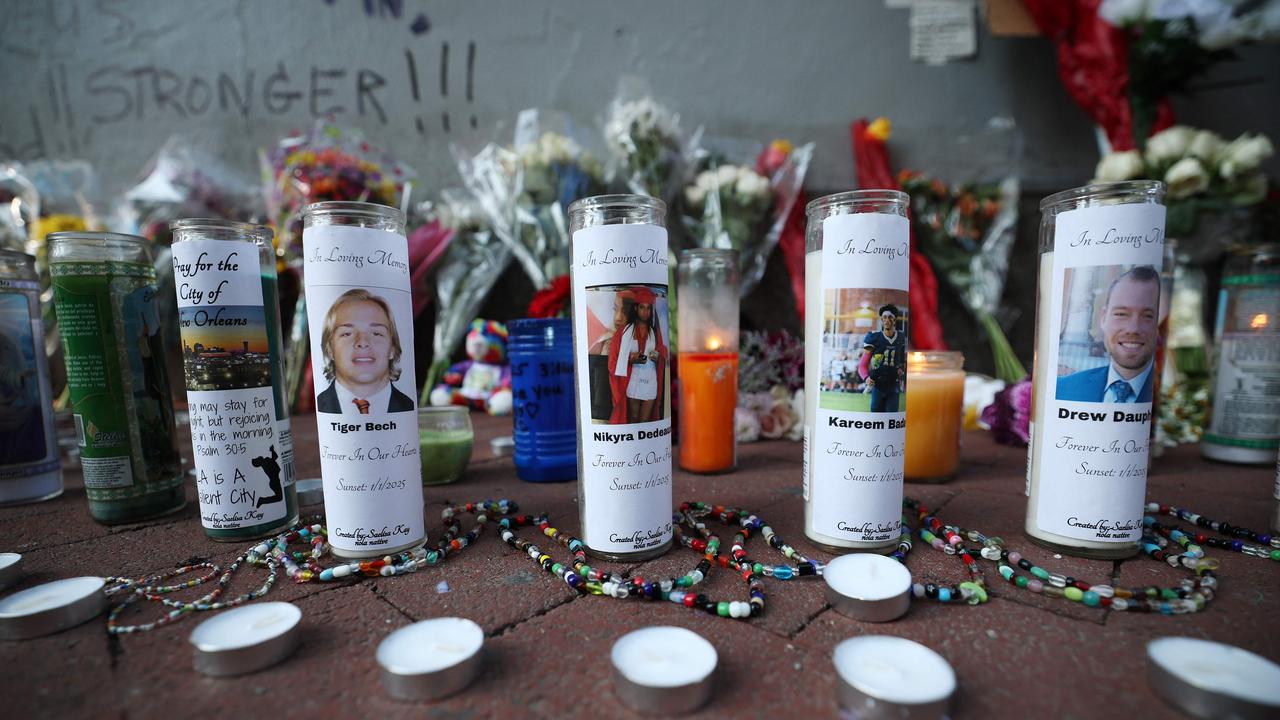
(57, 223)
(783, 146)
(880, 129)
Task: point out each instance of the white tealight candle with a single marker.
(868, 587)
(891, 677)
(247, 638)
(10, 569)
(431, 659)
(52, 607)
(663, 670)
(1210, 680)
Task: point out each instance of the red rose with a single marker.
(550, 301)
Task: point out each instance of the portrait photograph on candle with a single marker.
(864, 350)
(630, 383)
(1109, 334)
(361, 352)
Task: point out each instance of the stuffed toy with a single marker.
(482, 382)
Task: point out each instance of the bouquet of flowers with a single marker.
(741, 204)
(327, 163)
(770, 386)
(645, 145)
(524, 190)
(966, 231)
(1203, 172)
(186, 180)
(472, 264)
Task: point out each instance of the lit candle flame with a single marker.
(1259, 321)
(714, 343)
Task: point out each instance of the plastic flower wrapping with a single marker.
(472, 264)
(770, 387)
(524, 189)
(186, 180)
(738, 197)
(646, 147)
(328, 162)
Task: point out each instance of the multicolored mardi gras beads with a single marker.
(1267, 547)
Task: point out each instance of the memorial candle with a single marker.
(663, 670)
(104, 289)
(229, 318)
(619, 279)
(935, 408)
(361, 321)
(891, 677)
(708, 282)
(431, 659)
(857, 246)
(30, 470)
(1097, 309)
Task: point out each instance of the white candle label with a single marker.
(859, 345)
(361, 321)
(243, 451)
(1104, 312)
(621, 335)
(1246, 388)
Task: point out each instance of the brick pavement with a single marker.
(1019, 655)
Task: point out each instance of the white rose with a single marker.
(707, 181)
(1169, 144)
(1206, 145)
(746, 427)
(1123, 12)
(726, 175)
(1244, 154)
(1115, 166)
(1186, 178)
(695, 194)
(750, 184)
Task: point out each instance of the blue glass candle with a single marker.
(541, 354)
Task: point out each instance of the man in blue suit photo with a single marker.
(1129, 334)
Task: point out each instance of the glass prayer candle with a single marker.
(30, 470)
(1097, 315)
(856, 257)
(104, 290)
(1244, 416)
(546, 430)
(361, 322)
(233, 359)
(623, 371)
(707, 285)
(446, 438)
(935, 409)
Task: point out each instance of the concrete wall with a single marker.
(111, 80)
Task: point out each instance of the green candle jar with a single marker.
(445, 436)
(104, 290)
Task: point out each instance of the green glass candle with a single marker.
(228, 310)
(445, 439)
(104, 289)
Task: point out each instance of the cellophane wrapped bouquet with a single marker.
(966, 225)
(470, 267)
(329, 162)
(524, 189)
(645, 144)
(738, 196)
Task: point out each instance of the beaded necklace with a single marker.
(1268, 546)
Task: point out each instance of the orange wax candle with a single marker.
(708, 396)
(935, 407)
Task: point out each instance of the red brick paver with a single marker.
(1019, 655)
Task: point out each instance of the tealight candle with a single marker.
(891, 677)
(663, 670)
(247, 638)
(10, 569)
(52, 607)
(873, 588)
(1210, 680)
(431, 659)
